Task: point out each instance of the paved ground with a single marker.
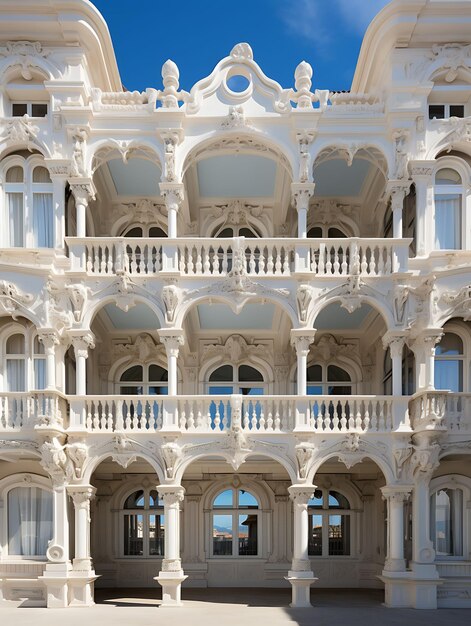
(232, 607)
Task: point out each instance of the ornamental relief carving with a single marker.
(12, 299)
(27, 52)
(143, 349)
(458, 303)
(236, 349)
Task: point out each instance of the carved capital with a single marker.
(172, 341)
(172, 495)
(421, 170)
(83, 190)
(395, 343)
(49, 338)
(174, 194)
(301, 494)
(82, 344)
(81, 495)
(301, 194)
(398, 190)
(426, 341)
(301, 340)
(396, 493)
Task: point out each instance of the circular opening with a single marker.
(238, 83)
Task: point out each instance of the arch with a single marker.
(285, 461)
(379, 305)
(236, 303)
(246, 483)
(339, 453)
(213, 363)
(373, 152)
(94, 461)
(248, 141)
(134, 298)
(104, 150)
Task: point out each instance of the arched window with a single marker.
(328, 380)
(448, 210)
(329, 524)
(446, 523)
(29, 521)
(144, 380)
(323, 232)
(449, 362)
(39, 364)
(145, 231)
(234, 524)
(143, 524)
(243, 379)
(236, 231)
(16, 363)
(28, 205)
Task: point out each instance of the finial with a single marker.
(170, 74)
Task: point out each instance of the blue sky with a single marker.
(197, 34)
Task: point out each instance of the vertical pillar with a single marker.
(301, 340)
(174, 195)
(423, 347)
(82, 344)
(84, 191)
(58, 175)
(171, 576)
(50, 340)
(301, 576)
(395, 344)
(172, 340)
(395, 496)
(301, 193)
(422, 175)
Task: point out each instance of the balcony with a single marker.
(22, 411)
(196, 257)
(440, 410)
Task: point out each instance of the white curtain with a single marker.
(43, 223)
(40, 373)
(29, 521)
(15, 219)
(16, 375)
(447, 222)
(449, 375)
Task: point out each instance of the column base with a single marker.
(300, 588)
(395, 565)
(407, 590)
(171, 583)
(82, 588)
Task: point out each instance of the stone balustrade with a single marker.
(199, 256)
(22, 411)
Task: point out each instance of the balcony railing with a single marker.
(25, 410)
(105, 256)
(458, 413)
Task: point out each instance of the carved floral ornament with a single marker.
(450, 57)
(63, 461)
(459, 303)
(12, 299)
(27, 54)
(20, 130)
(236, 349)
(144, 349)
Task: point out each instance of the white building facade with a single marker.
(235, 322)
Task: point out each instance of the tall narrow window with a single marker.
(329, 524)
(143, 524)
(16, 363)
(14, 200)
(446, 510)
(29, 521)
(39, 363)
(235, 524)
(43, 217)
(448, 209)
(449, 360)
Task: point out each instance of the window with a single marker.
(327, 381)
(449, 359)
(237, 231)
(144, 380)
(448, 209)
(29, 521)
(29, 206)
(387, 375)
(244, 379)
(329, 524)
(322, 232)
(442, 111)
(16, 363)
(33, 109)
(234, 524)
(22, 350)
(39, 364)
(143, 524)
(446, 524)
(145, 231)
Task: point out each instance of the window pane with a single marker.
(335, 233)
(314, 373)
(317, 499)
(29, 521)
(220, 391)
(131, 391)
(224, 373)
(158, 390)
(156, 535)
(15, 219)
(18, 109)
(337, 374)
(16, 375)
(248, 232)
(315, 233)
(339, 535)
(134, 232)
(247, 373)
(314, 390)
(315, 535)
(447, 176)
(449, 375)
(134, 373)
(135, 500)
(247, 535)
(247, 500)
(38, 110)
(436, 111)
(251, 391)
(154, 500)
(224, 500)
(447, 222)
(133, 535)
(456, 110)
(43, 219)
(222, 535)
(15, 175)
(157, 373)
(449, 345)
(155, 231)
(41, 175)
(337, 500)
(39, 373)
(226, 232)
(447, 518)
(16, 344)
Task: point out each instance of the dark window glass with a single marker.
(335, 233)
(223, 373)
(314, 373)
(157, 374)
(134, 232)
(337, 374)
(18, 110)
(134, 373)
(436, 111)
(155, 231)
(456, 110)
(135, 500)
(315, 233)
(247, 373)
(39, 110)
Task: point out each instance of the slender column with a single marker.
(174, 196)
(301, 340)
(58, 187)
(300, 576)
(422, 175)
(171, 576)
(398, 190)
(423, 347)
(50, 340)
(395, 497)
(81, 496)
(83, 191)
(82, 344)
(302, 193)
(395, 344)
(172, 340)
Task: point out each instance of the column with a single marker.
(84, 191)
(171, 576)
(59, 180)
(398, 191)
(301, 340)
(82, 344)
(50, 340)
(300, 576)
(395, 344)
(173, 194)
(422, 175)
(301, 194)
(172, 340)
(58, 567)
(423, 347)
(395, 496)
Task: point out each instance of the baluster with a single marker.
(89, 420)
(119, 415)
(214, 262)
(96, 259)
(206, 263)
(109, 421)
(130, 408)
(388, 263)
(110, 264)
(372, 261)
(380, 265)
(89, 260)
(351, 418)
(343, 417)
(246, 420)
(270, 266)
(253, 415)
(277, 417)
(358, 416)
(344, 266)
(366, 418)
(226, 408)
(328, 264)
(286, 270)
(321, 262)
(181, 259)
(182, 405)
(225, 253)
(270, 417)
(199, 264)
(313, 261)
(278, 261)
(96, 416)
(336, 261)
(335, 415)
(364, 262)
(200, 420)
(191, 416)
(145, 259)
(381, 425)
(252, 264)
(103, 260)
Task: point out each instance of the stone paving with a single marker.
(232, 607)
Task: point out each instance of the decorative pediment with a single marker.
(449, 59)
